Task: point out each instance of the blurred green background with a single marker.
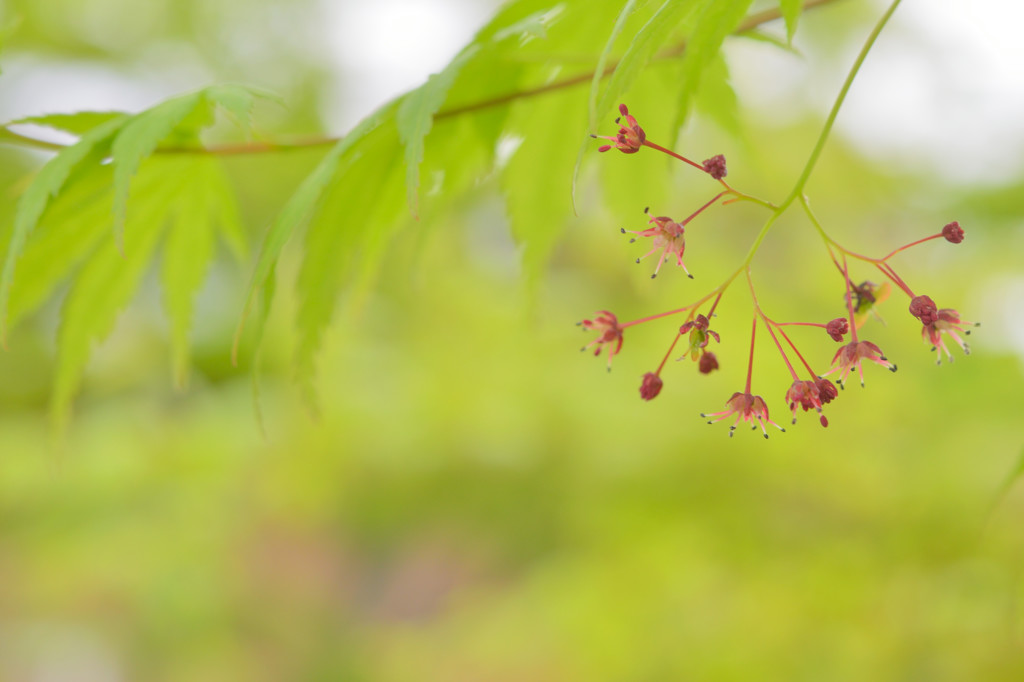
(476, 499)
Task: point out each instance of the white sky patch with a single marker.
(386, 47)
(943, 88)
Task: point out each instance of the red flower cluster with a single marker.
(812, 391)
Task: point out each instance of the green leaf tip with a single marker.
(48, 182)
(185, 114)
(642, 49)
(791, 14)
(415, 118)
(295, 211)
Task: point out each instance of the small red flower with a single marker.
(953, 232)
(746, 407)
(837, 328)
(667, 236)
(609, 333)
(715, 167)
(827, 391)
(630, 138)
(807, 394)
(708, 363)
(851, 355)
(700, 336)
(651, 386)
(947, 321)
(804, 394)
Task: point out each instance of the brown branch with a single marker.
(748, 24)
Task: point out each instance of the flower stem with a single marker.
(767, 323)
(849, 301)
(701, 209)
(674, 155)
(668, 353)
(805, 175)
(750, 364)
(796, 350)
(907, 246)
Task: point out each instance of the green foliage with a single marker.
(33, 202)
(599, 70)
(199, 212)
(716, 21)
(645, 44)
(415, 116)
(296, 211)
(349, 199)
(337, 243)
(77, 123)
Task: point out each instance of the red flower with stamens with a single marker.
(851, 355)
(609, 333)
(947, 321)
(807, 394)
(651, 386)
(700, 335)
(630, 138)
(827, 391)
(668, 236)
(746, 407)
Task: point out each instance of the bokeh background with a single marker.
(476, 500)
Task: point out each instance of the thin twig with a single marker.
(750, 23)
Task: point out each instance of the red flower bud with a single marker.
(715, 167)
(837, 328)
(924, 309)
(708, 363)
(953, 232)
(651, 386)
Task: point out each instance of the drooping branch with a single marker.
(749, 24)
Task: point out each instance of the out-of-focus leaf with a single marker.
(717, 99)
(595, 83)
(762, 37)
(533, 26)
(102, 288)
(48, 183)
(791, 14)
(415, 116)
(298, 208)
(238, 100)
(337, 239)
(66, 234)
(642, 49)
(137, 140)
(189, 248)
(184, 115)
(77, 123)
(536, 207)
(717, 20)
